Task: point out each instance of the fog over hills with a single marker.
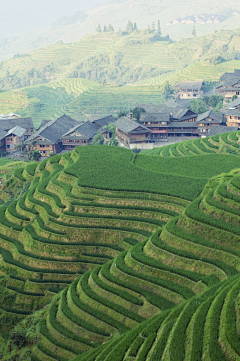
(59, 23)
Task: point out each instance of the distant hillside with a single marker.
(105, 72)
(207, 17)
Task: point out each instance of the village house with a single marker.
(14, 137)
(48, 137)
(80, 134)
(206, 120)
(129, 132)
(230, 85)
(157, 123)
(9, 123)
(183, 129)
(233, 118)
(188, 89)
(178, 103)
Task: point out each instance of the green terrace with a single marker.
(173, 294)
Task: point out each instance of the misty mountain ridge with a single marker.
(118, 12)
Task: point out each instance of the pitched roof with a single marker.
(178, 103)
(151, 108)
(128, 125)
(220, 129)
(104, 121)
(234, 112)
(175, 113)
(54, 129)
(234, 104)
(16, 131)
(158, 117)
(7, 124)
(219, 118)
(189, 85)
(2, 134)
(44, 121)
(227, 75)
(87, 129)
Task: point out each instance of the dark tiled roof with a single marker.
(233, 112)
(151, 108)
(227, 75)
(158, 117)
(178, 103)
(2, 134)
(127, 125)
(218, 118)
(54, 129)
(7, 124)
(104, 130)
(182, 125)
(189, 85)
(220, 129)
(44, 122)
(87, 129)
(234, 104)
(104, 121)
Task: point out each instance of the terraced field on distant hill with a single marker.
(131, 262)
(103, 73)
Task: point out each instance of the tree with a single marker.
(110, 27)
(234, 97)
(194, 33)
(122, 113)
(129, 27)
(98, 139)
(98, 28)
(159, 31)
(167, 90)
(20, 146)
(135, 27)
(153, 27)
(105, 29)
(137, 113)
(32, 153)
(198, 106)
(113, 142)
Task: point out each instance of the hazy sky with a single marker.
(18, 16)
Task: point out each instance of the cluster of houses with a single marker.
(54, 136)
(170, 121)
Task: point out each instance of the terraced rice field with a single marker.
(173, 295)
(223, 143)
(130, 263)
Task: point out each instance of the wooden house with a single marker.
(157, 123)
(81, 134)
(188, 89)
(182, 129)
(233, 118)
(206, 120)
(48, 137)
(130, 132)
(13, 137)
(230, 85)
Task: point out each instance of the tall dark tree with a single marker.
(110, 27)
(129, 27)
(153, 27)
(105, 29)
(159, 31)
(194, 33)
(135, 26)
(98, 28)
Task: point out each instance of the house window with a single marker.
(8, 146)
